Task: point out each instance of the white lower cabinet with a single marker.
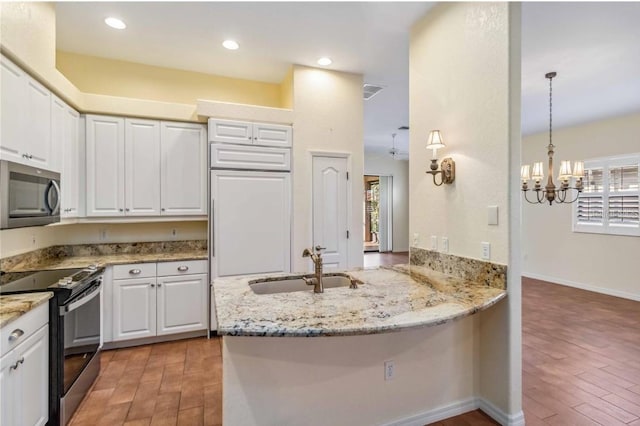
(172, 301)
(24, 377)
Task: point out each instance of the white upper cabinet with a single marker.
(152, 168)
(246, 133)
(142, 167)
(26, 118)
(65, 140)
(184, 169)
(105, 166)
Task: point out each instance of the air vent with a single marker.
(370, 90)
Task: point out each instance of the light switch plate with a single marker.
(492, 215)
(445, 245)
(434, 242)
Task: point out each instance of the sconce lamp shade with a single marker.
(565, 170)
(538, 171)
(435, 140)
(525, 173)
(578, 169)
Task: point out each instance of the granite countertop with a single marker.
(15, 305)
(391, 299)
(111, 259)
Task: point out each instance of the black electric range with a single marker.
(74, 331)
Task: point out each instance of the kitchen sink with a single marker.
(292, 284)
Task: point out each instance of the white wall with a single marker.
(21, 240)
(384, 165)
(328, 116)
(551, 251)
(465, 81)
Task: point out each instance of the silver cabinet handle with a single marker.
(18, 362)
(159, 284)
(135, 271)
(120, 210)
(126, 210)
(30, 157)
(183, 268)
(15, 334)
(163, 209)
(152, 285)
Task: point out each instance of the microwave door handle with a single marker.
(56, 209)
(64, 310)
(47, 205)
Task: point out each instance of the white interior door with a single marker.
(251, 219)
(330, 221)
(385, 215)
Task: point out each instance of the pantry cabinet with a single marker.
(247, 133)
(65, 133)
(24, 372)
(26, 118)
(169, 299)
(155, 168)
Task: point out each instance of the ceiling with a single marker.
(592, 46)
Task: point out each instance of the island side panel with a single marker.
(340, 380)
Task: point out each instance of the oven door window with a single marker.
(32, 196)
(81, 339)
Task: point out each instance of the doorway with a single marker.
(378, 215)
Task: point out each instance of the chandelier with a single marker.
(550, 192)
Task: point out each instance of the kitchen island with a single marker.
(376, 357)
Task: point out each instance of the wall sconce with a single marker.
(447, 170)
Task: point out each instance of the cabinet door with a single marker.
(105, 166)
(59, 133)
(8, 390)
(183, 169)
(13, 105)
(71, 165)
(182, 303)
(32, 403)
(272, 135)
(142, 167)
(251, 222)
(37, 134)
(228, 131)
(134, 308)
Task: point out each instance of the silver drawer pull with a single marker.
(135, 271)
(183, 268)
(15, 335)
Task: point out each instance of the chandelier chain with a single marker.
(550, 112)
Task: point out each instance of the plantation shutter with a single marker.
(624, 196)
(590, 205)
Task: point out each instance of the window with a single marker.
(610, 200)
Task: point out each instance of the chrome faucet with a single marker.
(316, 281)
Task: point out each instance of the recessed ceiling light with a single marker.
(115, 23)
(324, 61)
(230, 44)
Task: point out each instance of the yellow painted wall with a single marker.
(111, 77)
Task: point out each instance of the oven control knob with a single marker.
(92, 267)
(66, 281)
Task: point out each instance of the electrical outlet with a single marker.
(33, 240)
(445, 245)
(486, 250)
(416, 239)
(174, 232)
(434, 242)
(102, 234)
(389, 370)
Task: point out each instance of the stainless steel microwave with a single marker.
(29, 196)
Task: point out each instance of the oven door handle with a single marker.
(64, 310)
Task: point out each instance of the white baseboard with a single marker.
(596, 289)
(457, 408)
(500, 416)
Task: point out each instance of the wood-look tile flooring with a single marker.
(388, 258)
(581, 366)
(175, 383)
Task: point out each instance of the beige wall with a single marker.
(328, 116)
(383, 164)
(124, 79)
(551, 251)
(21, 240)
(464, 79)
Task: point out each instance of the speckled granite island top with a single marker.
(16, 305)
(391, 299)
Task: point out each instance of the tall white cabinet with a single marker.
(139, 167)
(65, 134)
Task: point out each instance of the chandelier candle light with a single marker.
(550, 193)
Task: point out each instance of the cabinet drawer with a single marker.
(250, 157)
(134, 270)
(19, 330)
(185, 267)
